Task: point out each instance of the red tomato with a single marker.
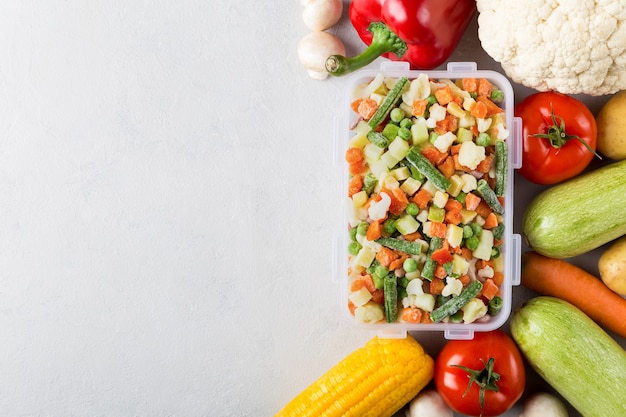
(567, 140)
(462, 367)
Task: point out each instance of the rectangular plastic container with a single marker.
(511, 246)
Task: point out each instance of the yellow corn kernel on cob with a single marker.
(376, 380)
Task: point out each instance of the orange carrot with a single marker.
(399, 200)
(485, 165)
(491, 221)
(436, 286)
(449, 124)
(411, 315)
(355, 105)
(447, 167)
(434, 155)
(453, 217)
(354, 155)
(422, 198)
(465, 279)
(466, 253)
(472, 201)
(492, 108)
(355, 184)
(444, 95)
(484, 87)
(367, 108)
(490, 289)
(378, 296)
(470, 85)
(498, 278)
(397, 263)
(419, 107)
(483, 209)
(479, 110)
(412, 237)
(453, 205)
(386, 256)
(437, 229)
(559, 278)
(374, 230)
(440, 272)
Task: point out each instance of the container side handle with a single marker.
(516, 157)
(462, 66)
(395, 66)
(457, 334)
(392, 334)
(516, 249)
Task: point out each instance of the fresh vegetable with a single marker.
(559, 278)
(421, 32)
(559, 137)
(428, 403)
(320, 15)
(484, 376)
(573, 354)
(425, 223)
(578, 215)
(377, 379)
(557, 46)
(612, 266)
(314, 48)
(611, 127)
(544, 404)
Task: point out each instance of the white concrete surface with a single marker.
(167, 209)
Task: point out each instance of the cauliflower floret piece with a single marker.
(437, 113)
(369, 313)
(443, 142)
(378, 209)
(470, 154)
(473, 310)
(453, 286)
(469, 183)
(574, 47)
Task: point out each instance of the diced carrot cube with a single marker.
(397, 263)
(355, 105)
(351, 307)
(378, 297)
(490, 289)
(472, 201)
(444, 95)
(483, 209)
(491, 221)
(492, 108)
(453, 205)
(367, 108)
(479, 110)
(412, 237)
(422, 198)
(374, 230)
(465, 279)
(385, 256)
(426, 319)
(453, 217)
(484, 87)
(447, 167)
(411, 315)
(354, 154)
(498, 278)
(436, 286)
(434, 155)
(419, 107)
(355, 185)
(466, 253)
(437, 229)
(485, 165)
(399, 200)
(470, 85)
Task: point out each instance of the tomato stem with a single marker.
(485, 378)
(557, 135)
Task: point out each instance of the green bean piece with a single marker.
(369, 183)
(388, 103)
(501, 168)
(378, 139)
(412, 248)
(453, 305)
(390, 283)
(495, 305)
(490, 197)
(424, 166)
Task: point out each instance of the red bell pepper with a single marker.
(422, 32)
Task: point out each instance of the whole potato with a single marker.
(612, 266)
(611, 121)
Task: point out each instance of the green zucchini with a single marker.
(578, 215)
(573, 354)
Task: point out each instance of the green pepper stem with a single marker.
(558, 137)
(383, 40)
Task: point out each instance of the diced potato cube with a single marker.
(378, 98)
(440, 199)
(372, 152)
(389, 159)
(369, 313)
(399, 148)
(365, 257)
(430, 187)
(378, 168)
(362, 128)
(485, 244)
(407, 224)
(454, 235)
(456, 185)
(473, 310)
(359, 199)
(401, 173)
(460, 265)
(410, 186)
(360, 297)
(467, 216)
(419, 132)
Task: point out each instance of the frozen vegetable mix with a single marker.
(427, 175)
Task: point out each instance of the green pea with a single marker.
(404, 133)
(354, 248)
(412, 209)
(362, 228)
(409, 265)
(396, 115)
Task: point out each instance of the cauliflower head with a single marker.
(570, 46)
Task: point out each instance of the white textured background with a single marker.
(167, 209)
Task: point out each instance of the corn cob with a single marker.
(376, 380)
